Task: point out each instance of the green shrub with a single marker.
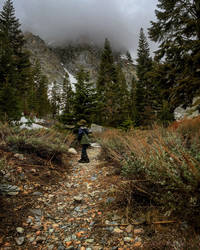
(46, 143)
(169, 171)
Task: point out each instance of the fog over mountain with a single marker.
(61, 21)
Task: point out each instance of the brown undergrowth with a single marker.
(34, 161)
(160, 168)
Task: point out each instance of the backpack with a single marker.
(85, 139)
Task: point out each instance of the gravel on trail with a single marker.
(76, 214)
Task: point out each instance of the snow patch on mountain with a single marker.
(72, 79)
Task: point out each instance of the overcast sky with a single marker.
(68, 20)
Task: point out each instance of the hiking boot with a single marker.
(84, 161)
(81, 160)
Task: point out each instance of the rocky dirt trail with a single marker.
(76, 213)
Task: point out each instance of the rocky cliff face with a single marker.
(50, 62)
(190, 112)
(55, 61)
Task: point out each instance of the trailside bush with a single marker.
(46, 143)
(168, 168)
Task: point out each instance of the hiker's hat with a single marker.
(82, 122)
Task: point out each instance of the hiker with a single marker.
(84, 141)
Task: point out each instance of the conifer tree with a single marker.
(106, 86)
(129, 58)
(38, 92)
(9, 104)
(42, 97)
(14, 62)
(67, 95)
(121, 94)
(67, 115)
(143, 88)
(177, 29)
(85, 97)
(133, 112)
(55, 99)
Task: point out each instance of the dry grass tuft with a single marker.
(161, 165)
(46, 143)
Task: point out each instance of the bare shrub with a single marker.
(160, 162)
(46, 143)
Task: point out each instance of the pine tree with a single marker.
(67, 116)
(8, 100)
(106, 86)
(38, 93)
(42, 97)
(55, 99)
(14, 62)
(121, 94)
(133, 112)
(84, 99)
(177, 29)
(144, 87)
(129, 58)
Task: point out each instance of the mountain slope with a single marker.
(55, 61)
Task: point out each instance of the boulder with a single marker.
(97, 128)
(72, 151)
(190, 112)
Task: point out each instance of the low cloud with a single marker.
(61, 21)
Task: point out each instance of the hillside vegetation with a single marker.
(161, 167)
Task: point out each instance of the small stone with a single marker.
(138, 231)
(20, 157)
(129, 229)
(37, 212)
(72, 151)
(68, 239)
(19, 241)
(29, 220)
(9, 189)
(78, 198)
(117, 230)
(33, 170)
(77, 209)
(40, 239)
(89, 241)
(128, 239)
(110, 200)
(31, 239)
(51, 230)
(68, 185)
(74, 237)
(93, 178)
(97, 248)
(20, 230)
(137, 239)
(51, 247)
(37, 193)
(107, 222)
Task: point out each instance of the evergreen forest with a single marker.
(140, 185)
(162, 83)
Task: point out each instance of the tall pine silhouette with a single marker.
(177, 30)
(15, 67)
(106, 86)
(143, 96)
